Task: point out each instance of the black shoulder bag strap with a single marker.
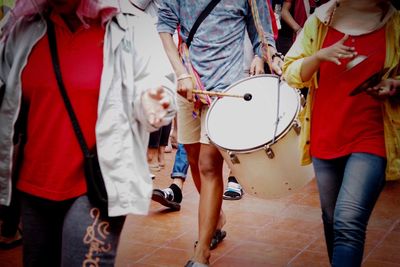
(57, 71)
(200, 19)
(96, 190)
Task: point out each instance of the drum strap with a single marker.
(200, 19)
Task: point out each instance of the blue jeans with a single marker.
(68, 233)
(181, 164)
(348, 188)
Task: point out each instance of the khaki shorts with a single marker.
(191, 130)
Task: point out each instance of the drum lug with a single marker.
(297, 127)
(234, 159)
(302, 100)
(269, 152)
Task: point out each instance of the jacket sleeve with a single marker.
(305, 45)
(152, 69)
(3, 68)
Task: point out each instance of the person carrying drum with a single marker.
(347, 54)
(211, 60)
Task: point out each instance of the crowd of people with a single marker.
(153, 61)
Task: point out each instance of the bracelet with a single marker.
(184, 76)
(277, 54)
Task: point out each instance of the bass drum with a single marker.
(259, 138)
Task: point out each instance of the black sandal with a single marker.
(218, 236)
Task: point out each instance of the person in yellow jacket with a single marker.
(348, 55)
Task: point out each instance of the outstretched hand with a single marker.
(337, 51)
(156, 103)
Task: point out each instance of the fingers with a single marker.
(344, 39)
(256, 70)
(185, 88)
(189, 95)
(157, 93)
(252, 71)
(276, 68)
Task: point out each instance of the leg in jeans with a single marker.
(42, 221)
(11, 216)
(95, 237)
(360, 184)
(181, 164)
(67, 233)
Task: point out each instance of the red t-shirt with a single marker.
(343, 124)
(53, 161)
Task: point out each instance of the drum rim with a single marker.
(252, 149)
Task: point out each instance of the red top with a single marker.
(53, 161)
(343, 124)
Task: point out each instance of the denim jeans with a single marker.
(348, 188)
(181, 164)
(68, 233)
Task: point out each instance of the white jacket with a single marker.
(134, 61)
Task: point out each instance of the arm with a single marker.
(185, 81)
(304, 57)
(288, 18)
(154, 98)
(261, 35)
(168, 20)
(333, 53)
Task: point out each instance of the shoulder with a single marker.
(21, 33)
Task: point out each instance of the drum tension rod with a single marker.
(296, 127)
(232, 156)
(269, 152)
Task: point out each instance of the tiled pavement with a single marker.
(280, 232)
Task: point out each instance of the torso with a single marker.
(343, 124)
(53, 162)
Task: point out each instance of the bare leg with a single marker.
(210, 166)
(152, 159)
(161, 156)
(193, 152)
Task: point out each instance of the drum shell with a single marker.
(266, 177)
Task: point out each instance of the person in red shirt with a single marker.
(349, 128)
(118, 95)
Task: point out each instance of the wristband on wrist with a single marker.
(184, 76)
(277, 54)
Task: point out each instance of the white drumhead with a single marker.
(236, 124)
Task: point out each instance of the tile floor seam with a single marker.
(165, 245)
(226, 252)
(382, 239)
(261, 244)
(303, 250)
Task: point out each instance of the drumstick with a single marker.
(246, 96)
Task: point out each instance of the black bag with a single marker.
(96, 190)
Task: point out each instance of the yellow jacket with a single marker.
(309, 42)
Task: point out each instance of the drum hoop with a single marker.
(278, 137)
